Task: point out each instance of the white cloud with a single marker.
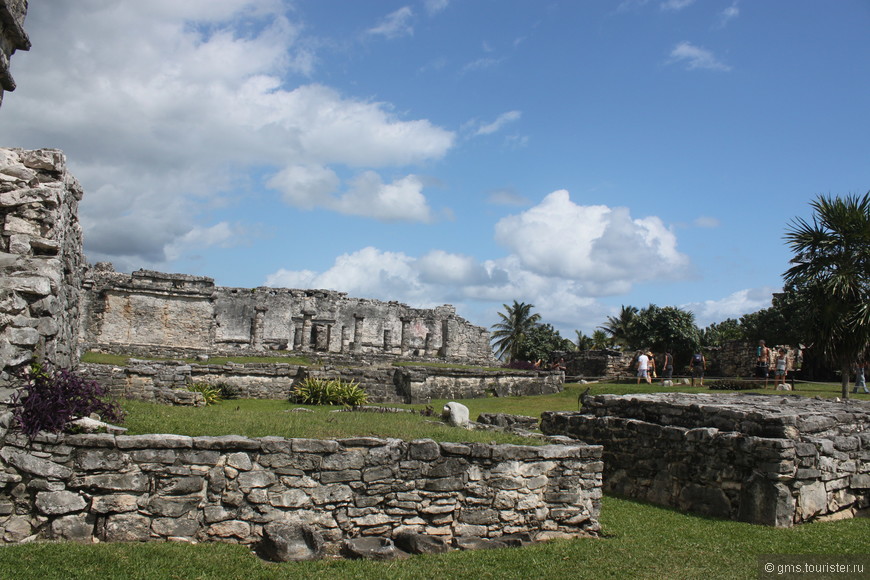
(602, 247)
(732, 306)
(434, 7)
(396, 24)
(561, 257)
(676, 5)
(500, 122)
(729, 14)
(695, 57)
(162, 125)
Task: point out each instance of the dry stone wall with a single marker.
(228, 489)
(765, 459)
(150, 313)
(12, 38)
(166, 382)
(41, 260)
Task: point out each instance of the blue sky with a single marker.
(576, 155)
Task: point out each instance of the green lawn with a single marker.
(641, 541)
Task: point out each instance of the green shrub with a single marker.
(210, 393)
(227, 391)
(47, 399)
(321, 391)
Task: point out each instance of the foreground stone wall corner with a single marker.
(41, 260)
(12, 38)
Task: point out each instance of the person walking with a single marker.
(668, 369)
(762, 362)
(781, 370)
(698, 366)
(860, 378)
(643, 368)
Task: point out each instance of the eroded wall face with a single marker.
(41, 260)
(153, 313)
(12, 38)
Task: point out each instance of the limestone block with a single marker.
(75, 528)
(175, 527)
(371, 548)
(111, 482)
(34, 465)
(59, 502)
(16, 528)
(421, 543)
(127, 528)
(286, 542)
(291, 498)
(114, 503)
(17, 225)
(231, 528)
(456, 414)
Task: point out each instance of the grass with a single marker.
(641, 541)
(261, 418)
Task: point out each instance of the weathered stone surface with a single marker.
(456, 414)
(76, 528)
(59, 502)
(372, 548)
(127, 528)
(129, 492)
(34, 465)
(767, 459)
(286, 542)
(421, 543)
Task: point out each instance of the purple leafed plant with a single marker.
(48, 400)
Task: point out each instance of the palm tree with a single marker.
(600, 340)
(583, 342)
(831, 266)
(619, 327)
(514, 326)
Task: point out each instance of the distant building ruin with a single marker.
(152, 313)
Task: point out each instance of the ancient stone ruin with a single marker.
(152, 313)
(12, 38)
(346, 493)
(765, 459)
(41, 260)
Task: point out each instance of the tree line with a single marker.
(824, 306)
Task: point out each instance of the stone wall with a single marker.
(765, 459)
(150, 313)
(41, 260)
(227, 489)
(12, 38)
(166, 382)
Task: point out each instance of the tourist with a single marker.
(668, 369)
(762, 362)
(860, 379)
(697, 367)
(643, 368)
(651, 370)
(781, 369)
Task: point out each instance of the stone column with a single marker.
(406, 333)
(345, 339)
(305, 345)
(257, 325)
(445, 338)
(357, 331)
(388, 339)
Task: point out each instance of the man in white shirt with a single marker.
(643, 368)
